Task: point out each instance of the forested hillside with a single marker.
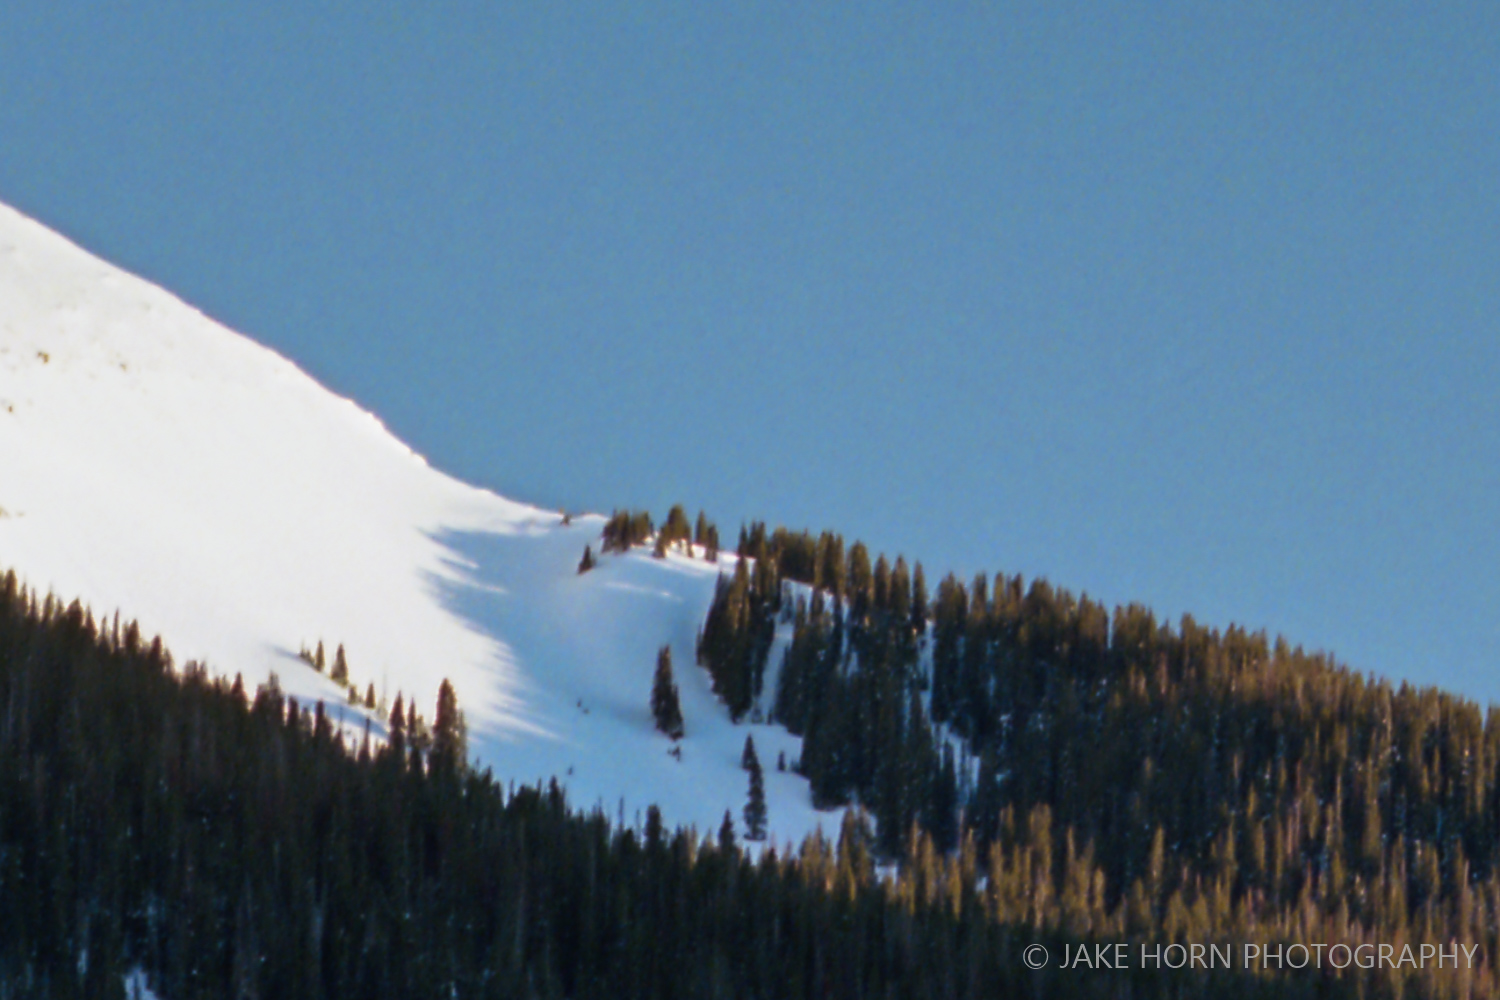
(1137, 783)
(1192, 781)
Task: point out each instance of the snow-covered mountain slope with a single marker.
(156, 463)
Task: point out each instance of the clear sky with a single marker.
(1188, 303)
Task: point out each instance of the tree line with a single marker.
(238, 845)
(1206, 778)
(1042, 768)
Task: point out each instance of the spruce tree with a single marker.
(340, 673)
(918, 600)
(587, 562)
(726, 832)
(749, 759)
(666, 709)
(396, 729)
(755, 805)
(677, 530)
(450, 734)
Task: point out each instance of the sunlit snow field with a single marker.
(156, 463)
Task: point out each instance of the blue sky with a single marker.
(1192, 304)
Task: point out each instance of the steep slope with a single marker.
(155, 462)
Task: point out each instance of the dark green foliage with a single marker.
(625, 529)
(755, 805)
(676, 531)
(737, 634)
(918, 601)
(666, 709)
(726, 832)
(706, 534)
(340, 672)
(153, 819)
(749, 760)
(450, 734)
(1176, 761)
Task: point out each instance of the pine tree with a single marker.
(396, 739)
(705, 532)
(726, 832)
(861, 582)
(450, 734)
(624, 529)
(755, 805)
(340, 673)
(666, 708)
(749, 760)
(318, 663)
(677, 530)
(588, 561)
(918, 600)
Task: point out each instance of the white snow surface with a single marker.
(155, 463)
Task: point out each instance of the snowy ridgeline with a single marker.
(159, 464)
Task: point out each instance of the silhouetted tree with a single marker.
(755, 805)
(666, 709)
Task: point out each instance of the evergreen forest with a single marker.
(1015, 766)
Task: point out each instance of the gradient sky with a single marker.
(1192, 304)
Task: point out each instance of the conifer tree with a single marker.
(861, 582)
(726, 832)
(318, 662)
(340, 672)
(396, 738)
(666, 708)
(918, 600)
(587, 562)
(677, 530)
(624, 529)
(450, 734)
(755, 805)
(749, 760)
(900, 599)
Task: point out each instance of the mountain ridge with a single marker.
(156, 462)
